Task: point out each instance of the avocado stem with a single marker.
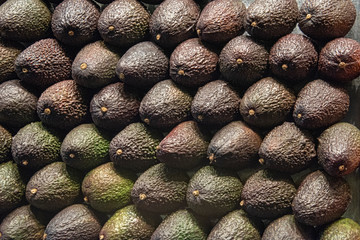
(181, 72)
(83, 66)
(200, 117)
(158, 36)
(198, 32)
(211, 157)
(122, 76)
(86, 199)
(44, 236)
(341, 168)
(157, 147)
(111, 28)
(142, 196)
(239, 61)
(101, 237)
(47, 111)
(25, 162)
(119, 152)
(342, 64)
(24, 70)
(103, 109)
(251, 112)
(71, 155)
(146, 120)
(261, 161)
(0, 234)
(196, 193)
(242, 203)
(308, 16)
(284, 67)
(253, 24)
(71, 33)
(33, 191)
(299, 115)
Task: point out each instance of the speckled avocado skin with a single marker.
(342, 229)
(5, 146)
(8, 53)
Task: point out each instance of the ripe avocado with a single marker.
(8, 53)
(5, 144)
(342, 229)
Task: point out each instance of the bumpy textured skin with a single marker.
(68, 103)
(100, 59)
(236, 225)
(340, 50)
(198, 62)
(137, 143)
(287, 148)
(5, 144)
(268, 194)
(254, 61)
(36, 145)
(235, 146)
(130, 223)
(8, 53)
(24, 20)
(182, 224)
(216, 104)
(320, 104)
(17, 104)
(184, 147)
(165, 105)
(164, 189)
(342, 229)
(107, 189)
(271, 102)
(339, 145)
(299, 55)
(12, 187)
(143, 65)
(58, 186)
(221, 21)
(219, 192)
(321, 199)
(88, 144)
(74, 222)
(129, 19)
(287, 227)
(46, 61)
(174, 21)
(152, 1)
(329, 18)
(79, 16)
(273, 18)
(122, 105)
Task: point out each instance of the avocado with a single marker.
(293, 58)
(70, 25)
(36, 145)
(24, 20)
(192, 63)
(135, 147)
(271, 19)
(286, 227)
(17, 104)
(235, 225)
(267, 103)
(160, 189)
(287, 149)
(213, 192)
(221, 20)
(54, 187)
(268, 194)
(243, 61)
(124, 23)
(165, 105)
(9, 50)
(321, 199)
(74, 222)
(182, 224)
(216, 104)
(339, 60)
(173, 22)
(320, 104)
(64, 105)
(184, 147)
(12, 187)
(5, 144)
(342, 229)
(143, 65)
(94, 66)
(326, 19)
(339, 149)
(129, 223)
(115, 106)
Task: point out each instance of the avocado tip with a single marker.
(111, 28)
(196, 193)
(157, 147)
(254, 24)
(158, 36)
(308, 16)
(146, 120)
(212, 157)
(103, 109)
(71, 155)
(261, 161)
(83, 66)
(200, 117)
(251, 112)
(24, 70)
(33, 191)
(342, 65)
(86, 199)
(44, 236)
(142, 196)
(71, 33)
(181, 72)
(119, 152)
(299, 115)
(25, 163)
(102, 237)
(341, 168)
(121, 76)
(284, 67)
(47, 111)
(239, 61)
(242, 203)
(198, 32)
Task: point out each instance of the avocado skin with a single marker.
(164, 189)
(341, 138)
(273, 18)
(253, 64)
(320, 104)
(321, 199)
(74, 222)
(218, 191)
(287, 148)
(342, 229)
(286, 227)
(235, 146)
(130, 20)
(329, 18)
(235, 225)
(5, 146)
(130, 223)
(122, 104)
(8, 53)
(173, 25)
(336, 52)
(69, 16)
(137, 143)
(268, 194)
(143, 65)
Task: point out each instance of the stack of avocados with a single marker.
(178, 120)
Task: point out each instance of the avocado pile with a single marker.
(177, 120)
